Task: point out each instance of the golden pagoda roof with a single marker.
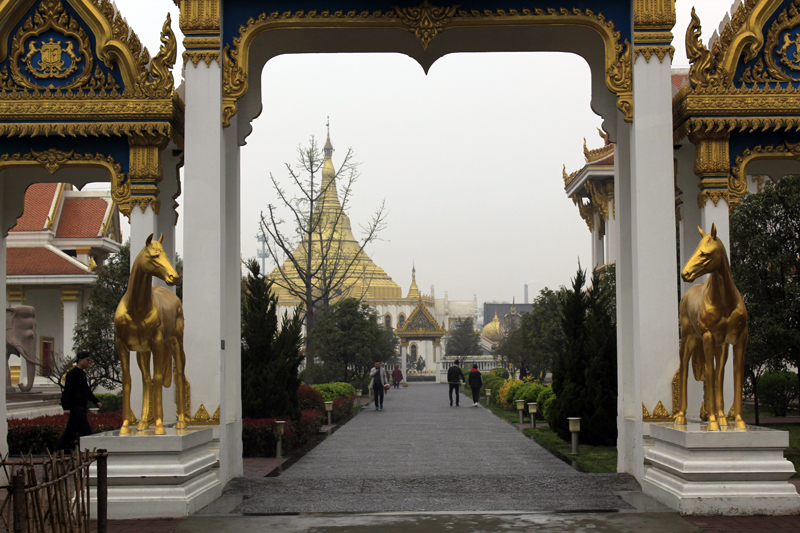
(420, 324)
(413, 291)
(365, 280)
(492, 330)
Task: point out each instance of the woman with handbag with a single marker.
(377, 382)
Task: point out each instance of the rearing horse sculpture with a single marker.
(713, 316)
(150, 319)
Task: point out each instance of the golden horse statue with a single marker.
(713, 316)
(150, 319)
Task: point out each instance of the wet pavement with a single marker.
(421, 455)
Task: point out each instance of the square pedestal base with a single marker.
(732, 472)
(157, 476)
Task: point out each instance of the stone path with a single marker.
(420, 454)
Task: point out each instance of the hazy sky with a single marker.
(468, 157)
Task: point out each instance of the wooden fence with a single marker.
(51, 494)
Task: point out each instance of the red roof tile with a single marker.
(679, 80)
(38, 262)
(38, 199)
(607, 160)
(81, 218)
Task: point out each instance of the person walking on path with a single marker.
(377, 382)
(475, 381)
(397, 376)
(454, 378)
(75, 399)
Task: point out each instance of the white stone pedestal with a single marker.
(157, 476)
(733, 472)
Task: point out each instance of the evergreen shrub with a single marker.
(310, 398)
(40, 435)
(490, 381)
(777, 390)
(334, 391)
(500, 372)
(512, 392)
(259, 436)
(111, 402)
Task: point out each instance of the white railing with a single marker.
(485, 363)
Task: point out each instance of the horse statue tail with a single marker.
(698, 366)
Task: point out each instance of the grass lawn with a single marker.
(597, 459)
(793, 451)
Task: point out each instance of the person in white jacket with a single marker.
(377, 382)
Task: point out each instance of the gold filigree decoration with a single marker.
(50, 16)
(654, 13)
(426, 20)
(599, 194)
(199, 16)
(157, 81)
(53, 160)
(590, 156)
(765, 70)
(676, 391)
(618, 56)
(704, 70)
(738, 178)
(201, 415)
(568, 178)
(586, 211)
(659, 51)
(660, 414)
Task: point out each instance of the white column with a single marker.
(404, 360)
(69, 301)
(612, 234)
(231, 410)
(204, 244)
(143, 224)
(690, 212)
(654, 265)
(168, 188)
(597, 242)
(717, 215)
(629, 437)
(3, 421)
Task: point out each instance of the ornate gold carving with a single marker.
(157, 81)
(425, 21)
(50, 16)
(660, 51)
(676, 392)
(201, 415)
(711, 157)
(235, 58)
(597, 154)
(738, 178)
(568, 177)
(654, 13)
(600, 196)
(199, 16)
(145, 170)
(660, 414)
(649, 37)
(54, 160)
(704, 71)
(586, 211)
(787, 20)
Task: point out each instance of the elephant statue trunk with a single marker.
(21, 341)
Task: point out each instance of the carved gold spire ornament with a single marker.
(426, 22)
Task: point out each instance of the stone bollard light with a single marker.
(488, 396)
(520, 409)
(358, 397)
(574, 428)
(532, 412)
(329, 409)
(279, 432)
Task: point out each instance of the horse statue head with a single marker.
(153, 260)
(708, 257)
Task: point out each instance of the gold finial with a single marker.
(585, 150)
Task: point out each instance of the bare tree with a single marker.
(318, 259)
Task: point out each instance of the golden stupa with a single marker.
(492, 330)
(364, 279)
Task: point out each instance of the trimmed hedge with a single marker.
(40, 435)
(310, 399)
(259, 437)
(778, 390)
(334, 391)
(545, 401)
(111, 402)
(500, 372)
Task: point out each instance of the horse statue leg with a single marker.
(180, 365)
(721, 358)
(125, 362)
(686, 349)
(143, 359)
(159, 353)
(738, 381)
(709, 351)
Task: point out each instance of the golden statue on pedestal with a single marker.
(150, 320)
(713, 316)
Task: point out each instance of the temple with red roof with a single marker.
(52, 252)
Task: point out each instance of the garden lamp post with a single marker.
(358, 397)
(279, 432)
(488, 396)
(574, 428)
(329, 409)
(520, 409)
(532, 412)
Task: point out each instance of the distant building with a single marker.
(51, 254)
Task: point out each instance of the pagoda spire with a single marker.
(328, 149)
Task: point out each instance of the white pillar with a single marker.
(204, 245)
(404, 360)
(654, 264)
(143, 224)
(70, 300)
(231, 411)
(629, 437)
(612, 234)
(3, 421)
(167, 217)
(597, 241)
(687, 181)
(717, 215)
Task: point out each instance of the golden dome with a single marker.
(492, 330)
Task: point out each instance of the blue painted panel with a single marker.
(237, 12)
(790, 51)
(741, 140)
(53, 52)
(116, 147)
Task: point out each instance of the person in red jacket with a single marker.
(475, 382)
(397, 376)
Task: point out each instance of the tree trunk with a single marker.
(755, 398)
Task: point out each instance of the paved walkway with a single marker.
(420, 454)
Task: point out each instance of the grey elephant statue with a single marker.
(21, 341)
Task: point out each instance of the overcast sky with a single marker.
(468, 157)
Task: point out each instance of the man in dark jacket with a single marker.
(475, 381)
(75, 400)
(454, 378)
